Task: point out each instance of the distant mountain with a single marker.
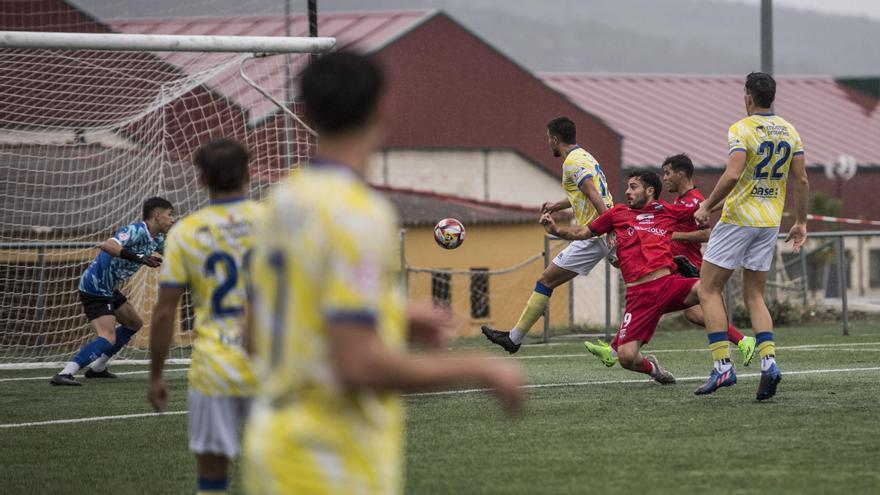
(679, 36)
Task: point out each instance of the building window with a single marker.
(441, 288)
(874, 268)
(479, 293)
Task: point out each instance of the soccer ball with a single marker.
(449, 233)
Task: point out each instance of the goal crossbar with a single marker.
(165, 42)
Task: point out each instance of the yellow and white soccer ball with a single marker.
(449, 233)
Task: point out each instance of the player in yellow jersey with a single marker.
(207, 252)
(588, 195)
(330, 321)
(763, 150)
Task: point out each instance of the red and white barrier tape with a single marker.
(851, 221)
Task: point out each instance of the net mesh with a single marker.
(85, 138)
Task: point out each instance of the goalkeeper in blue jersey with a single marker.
(121, 257)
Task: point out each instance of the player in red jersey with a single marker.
(653, 286)
(687, 240)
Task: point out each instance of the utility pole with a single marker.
(767, 36)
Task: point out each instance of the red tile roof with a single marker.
(365, 31)
(660, 115)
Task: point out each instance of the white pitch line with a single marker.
(615, 382)
(141, 372)
(649, 351)
(449, 392)
(87, 420)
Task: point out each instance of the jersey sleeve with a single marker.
(355, 247)
(577, 173)
(126, 235)
(735, 139)
(174, 272)
(603, 223)
(684, 212)
(797, 147)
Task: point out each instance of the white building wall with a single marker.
(491, 175)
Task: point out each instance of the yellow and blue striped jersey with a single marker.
(769, 143)
(578, 167)
(207, 252)
(326, 256)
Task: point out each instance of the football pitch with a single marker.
(585, 429)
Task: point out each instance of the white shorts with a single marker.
(215, 423)
(734, 246)
(581, 256)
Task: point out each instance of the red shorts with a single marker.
(646, 303)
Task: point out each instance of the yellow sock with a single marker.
(719, 346)
(766, 349)
(534, 309)
(720, 350)
(766, 346)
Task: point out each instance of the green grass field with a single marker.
(586, 429)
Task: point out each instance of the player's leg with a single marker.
(712, 281)
(745, 344)
(129, 324)
(632, 359)
(213, 474)
(754, 283)
(215, 425)
(99, 312)
(579, 257)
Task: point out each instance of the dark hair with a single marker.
(155, 203)
(762, 87)
(680, 163)
(340, 91)
(223, 164)
(564, 129)
(649, 179)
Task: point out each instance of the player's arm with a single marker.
(551, 206)
(569, 233)
(172, 284)
(115, 246)
(801, 194)
(736, 163)
(589, 189)
(161, 330)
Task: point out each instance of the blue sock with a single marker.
(123, 336)
(213, 485)
(92, 351)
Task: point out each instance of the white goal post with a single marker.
(93, 124)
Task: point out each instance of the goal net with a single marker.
(87, 134)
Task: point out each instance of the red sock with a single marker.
(733, 334)
(646, 367)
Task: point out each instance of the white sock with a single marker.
(100, 364)
(613, 353)
(767, 362)
(723, 366)
(70, 369)
(517, 335)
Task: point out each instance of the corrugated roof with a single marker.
(364, 31)
(422, 209)
(660, 115)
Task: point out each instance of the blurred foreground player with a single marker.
(330, 321)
